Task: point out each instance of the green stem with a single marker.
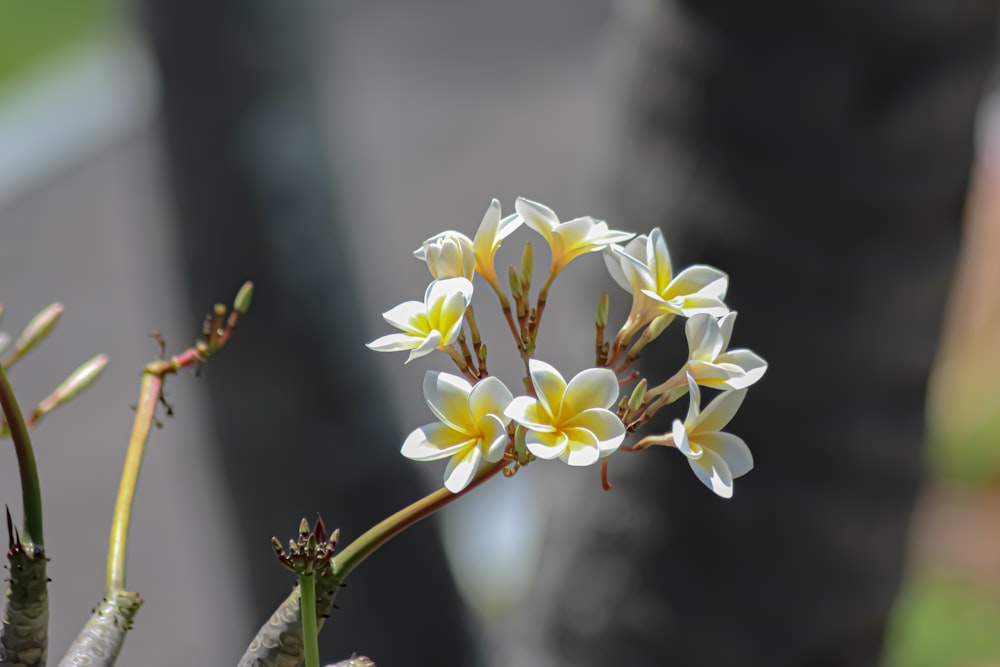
(366, 544)
(310, 633)
(149, 394)
(31, 490)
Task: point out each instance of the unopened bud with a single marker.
(638, 396)
(38, 329)
(304, 528)
(77, 381)
(243, 298)
(602, 310)
(276, 545)
(515, 284)
(527, 266)
(482, 352)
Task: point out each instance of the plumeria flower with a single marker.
(471, 426)
(491, 233)
(569, 421)
(448, 255)
(428, 326)
(643, 268)
(709, 362)
(715, 457)
(452, 254)
(568, 240)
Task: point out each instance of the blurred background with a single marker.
(348, 132)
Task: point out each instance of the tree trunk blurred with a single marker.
(820, 154)
(301, 420)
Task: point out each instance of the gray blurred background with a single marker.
(427, 110)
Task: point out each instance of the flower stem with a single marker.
(31, 490)
(368, 542)
(149, 394)
(310, 633)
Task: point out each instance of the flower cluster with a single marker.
(482, 427)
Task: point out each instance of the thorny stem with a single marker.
(217, 334)
(31, 490)
(369, 541)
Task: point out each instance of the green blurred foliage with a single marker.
(968, 454)
(32, 30)
(944, 624)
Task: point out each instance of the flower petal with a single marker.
(549, 385)
(726, 324)
(753, 367)
(434, 441)
(683, 443)
(447, 396)
(713, 472)
(607, 428)
(590, 388)
(462, 469)
(581, 448)
(700, 279)
(539, 217)
(530, 414)
(494, 438)
(658, 260)
(428, 345)
(395, 342)
(732, 449)
(720, 411)
(490, 397)
(410, 316)
(545, 445)
(704, 337)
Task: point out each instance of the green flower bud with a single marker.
(638, 396)
(527, 266)
(77, 381)
(242, 302)
(602, 309)
(515, 284)
(38, 329)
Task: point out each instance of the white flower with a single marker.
(643, 269)
(568, 240)
(491, 233)
(569, 421)
(472, 426)
(448, 255)
(428, 326)
(715, 457)
(709, 362)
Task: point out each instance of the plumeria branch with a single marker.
(97, 643)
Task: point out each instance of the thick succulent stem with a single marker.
(101, 639)
(279, 641)
(24, 638)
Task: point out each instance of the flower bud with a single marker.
(602, 309)
(38, 329)
(243, 298)
(482, 352)
(527, 266)
(515, 284)
(77, 381)
(638, 396)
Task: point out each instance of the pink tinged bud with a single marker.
(78, 380)
(38, 329)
